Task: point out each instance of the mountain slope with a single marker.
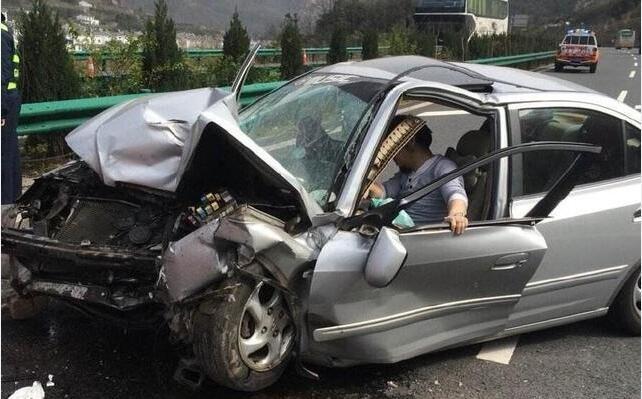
(214, 15)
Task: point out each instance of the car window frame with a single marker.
(626, 153)
(348, 201)
(384, 214)
(497, 142)
(514, 128)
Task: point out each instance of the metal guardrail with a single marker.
(514, 59)
(204, 53)
(46, 117)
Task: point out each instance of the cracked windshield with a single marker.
(308, 124)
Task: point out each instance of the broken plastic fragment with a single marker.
(402, 221)
(33, 392)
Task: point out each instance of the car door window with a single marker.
(632, 146)
(569, 125)
(457, 134)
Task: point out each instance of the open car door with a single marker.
(380, 295)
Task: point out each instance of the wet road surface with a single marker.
(91, 360)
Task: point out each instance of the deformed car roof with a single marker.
(468, 76)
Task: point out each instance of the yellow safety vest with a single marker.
(15, 59)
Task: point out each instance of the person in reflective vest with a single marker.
(11, 174)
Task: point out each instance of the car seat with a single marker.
(470, 147)
(602, 131)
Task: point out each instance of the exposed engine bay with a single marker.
(117, 238)
(72, 205)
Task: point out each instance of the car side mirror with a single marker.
(385, 259)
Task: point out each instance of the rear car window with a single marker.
(572, 125)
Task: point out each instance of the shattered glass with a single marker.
(307, 126)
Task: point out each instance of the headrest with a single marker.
(475, 142)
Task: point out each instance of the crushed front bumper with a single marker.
(111, 277)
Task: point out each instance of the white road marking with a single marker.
(632, 75)
(442, 113)
(622, 96)
(500, 351)
(413, 107)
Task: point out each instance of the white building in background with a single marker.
(84, 42)
(87, 20)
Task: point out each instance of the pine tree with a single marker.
(162, 66)
(291, 48)
(236, 41)
(426, 43)
(338, 50)
(401, 40)
(370, 44)
(47, 69)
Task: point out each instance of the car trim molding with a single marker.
(409, 317)
(553, 284)
(553, 322)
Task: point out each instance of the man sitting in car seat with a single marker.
(418, 166)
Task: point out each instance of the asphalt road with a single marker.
(613, 75)
(89, 359)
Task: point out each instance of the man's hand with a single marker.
(457, 216)
(375, 190)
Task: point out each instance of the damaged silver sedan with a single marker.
(247, 234)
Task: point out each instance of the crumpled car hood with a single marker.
(150, 141)
(142, 141)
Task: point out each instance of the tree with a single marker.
(338, 51)
(47, 68)
(291, 48)
(426, 43)
(162, 66)
(236, 41)
(401, 40)
(370, 44)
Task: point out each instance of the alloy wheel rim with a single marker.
(637, 290)
(266, 333)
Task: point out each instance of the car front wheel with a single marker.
(244, 343)
(593, 68)
(626, 307)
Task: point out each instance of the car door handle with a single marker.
(510, 262)
(636, 216)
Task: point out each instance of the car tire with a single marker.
(593, 68)
(221, 331)
(558, 67)
(626, 307)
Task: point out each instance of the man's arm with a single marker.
(376, 190)
(454, 194)
(457, 209)
(390, 188)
